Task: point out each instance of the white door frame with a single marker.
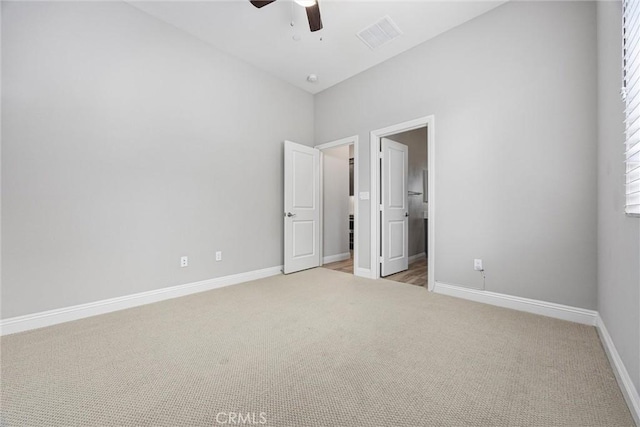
(374, 149)
(356, 216)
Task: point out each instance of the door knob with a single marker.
(289, 214)
(406, 214)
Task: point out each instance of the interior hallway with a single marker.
(415, 275)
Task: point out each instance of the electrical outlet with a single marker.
(477, 265)
(219, 256)
(184, 261)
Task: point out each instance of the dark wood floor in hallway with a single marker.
(415, 275)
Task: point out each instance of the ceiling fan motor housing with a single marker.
(313, 13)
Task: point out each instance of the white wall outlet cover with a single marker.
(184, 261)
(364, 195)
(219, 256)
(477, 264)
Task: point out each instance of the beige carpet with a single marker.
(317, 348)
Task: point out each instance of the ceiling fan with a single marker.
(313, 11)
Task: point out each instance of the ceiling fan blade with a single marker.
(313, 14)
(259, 4)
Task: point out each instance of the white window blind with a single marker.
(631, 95)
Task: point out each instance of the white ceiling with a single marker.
(264, 37)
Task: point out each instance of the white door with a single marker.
(301, 207)
(395, 208)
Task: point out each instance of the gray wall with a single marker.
(416, 141)
(126, 144)
(514, 97)
(121, 135)
(336, 201)
(618, 235)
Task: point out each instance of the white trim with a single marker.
(321, 222)
(624, 380)
(558, 311)
(363, 272)
(549, 309)
(416, 256)
(67, 314)
(335, 258)
(338, 143)
(356, 191)
(374, 144)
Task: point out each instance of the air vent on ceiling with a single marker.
(379, 33)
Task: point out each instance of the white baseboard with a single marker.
(550, 309)
(335, 258)
(363, 272)
(588, 317)
(416, 256)
(624, 380)
(67, 314)
(558, 311)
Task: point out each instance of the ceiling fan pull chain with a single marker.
(293, 23)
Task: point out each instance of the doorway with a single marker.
(414, 215)
(402, 190)
(339, 180)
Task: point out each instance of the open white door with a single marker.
(301, 207)
(395, 208)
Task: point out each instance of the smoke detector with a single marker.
(312, 78)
